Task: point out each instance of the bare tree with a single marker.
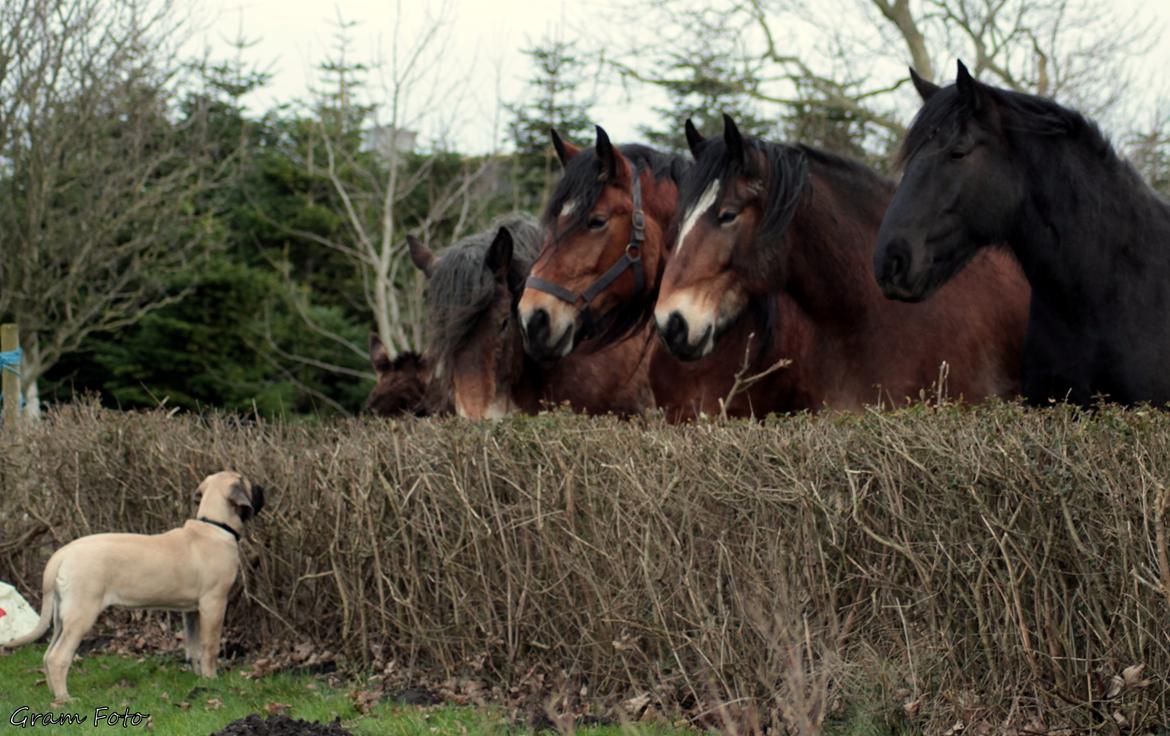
(846, 59)
(373, 172)
(1072, 49)
(100, 185)
(1149, 148)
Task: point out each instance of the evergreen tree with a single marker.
(554, 101)
(832, 128)
(709, 78)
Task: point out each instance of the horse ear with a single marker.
(694, 138)
(968, 88)
(564, 149)
(378, 355)
(733, 138)
(422, 257)
(926, 89)
(498, 258)
(606, 153)
(409, 360)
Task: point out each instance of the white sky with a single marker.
(484, 46)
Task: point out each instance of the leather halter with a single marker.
(631, 259)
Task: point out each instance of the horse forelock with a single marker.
(779, 171)
(582, 183)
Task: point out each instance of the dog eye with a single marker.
(596, 222)
(727, 217)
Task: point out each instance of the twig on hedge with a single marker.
(743, 382)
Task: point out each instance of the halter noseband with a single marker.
(631, 259)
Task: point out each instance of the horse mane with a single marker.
(461, 290)
(583, 181)
(945, 113)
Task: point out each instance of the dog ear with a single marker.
(238, 497)
(257, 498)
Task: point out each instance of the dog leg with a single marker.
(76, 618)
(191, 639)
(211, 613)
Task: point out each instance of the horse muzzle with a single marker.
(675, 334)
(539, 341)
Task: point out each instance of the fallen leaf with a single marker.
(277, 709)
(635, 705)
(1132, 676)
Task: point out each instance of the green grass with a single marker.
(179, 703)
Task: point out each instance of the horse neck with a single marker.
(830, 272)
(1068, 235)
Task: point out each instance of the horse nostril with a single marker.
(538, 326)
(675, 333)
(896, 266)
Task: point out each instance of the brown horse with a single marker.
(589, 227)
(401, 386)
(782, 236)
(474, 345)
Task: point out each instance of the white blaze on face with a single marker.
(568, 207)
(705, 201)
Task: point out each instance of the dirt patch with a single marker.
(254, 725)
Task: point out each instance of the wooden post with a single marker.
(10, 385)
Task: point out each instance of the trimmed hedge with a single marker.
(1000, 567)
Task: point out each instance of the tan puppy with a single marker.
(189, 569)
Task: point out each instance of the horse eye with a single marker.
(596, 222)
(958, 153)
(504, 324)
(727, 217)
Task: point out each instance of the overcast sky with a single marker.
(485, 37)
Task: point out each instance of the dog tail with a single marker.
(48, 606)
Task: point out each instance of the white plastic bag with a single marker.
(17, 617)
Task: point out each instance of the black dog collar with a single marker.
(221, 525)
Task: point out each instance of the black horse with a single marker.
(984, 165)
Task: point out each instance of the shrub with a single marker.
(1000, 567)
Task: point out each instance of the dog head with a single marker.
(226, 494)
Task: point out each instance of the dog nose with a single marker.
(893, 264)
(674, 333)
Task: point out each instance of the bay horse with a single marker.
(781, 235)
(595, 282)
(400, 389)
(985, 165)
(474, 346)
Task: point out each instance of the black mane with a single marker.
(945, 112)
(460, 289)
